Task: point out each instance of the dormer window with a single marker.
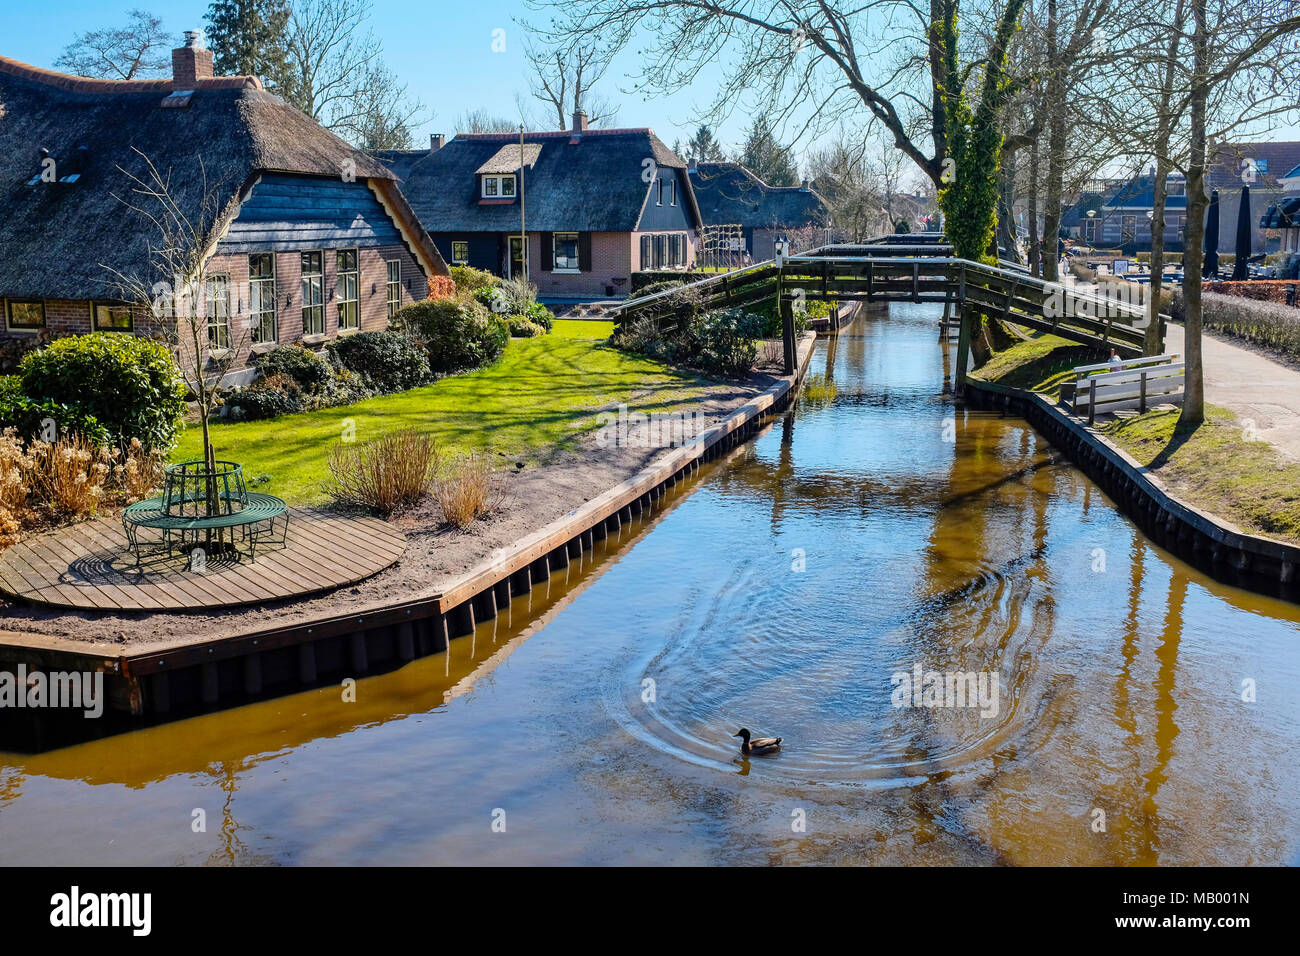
(498, 187)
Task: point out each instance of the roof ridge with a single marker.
(87, 84)
(553, 134)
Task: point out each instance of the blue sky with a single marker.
(442, 49)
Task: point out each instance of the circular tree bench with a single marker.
(185, 509)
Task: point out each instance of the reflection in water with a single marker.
(877, 528)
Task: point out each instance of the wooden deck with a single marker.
(89, 567)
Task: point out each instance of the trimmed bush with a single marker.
(541, 315)
(659, 286)
(130, 385)
(1270, 324)
(28, 418)
(458, 334)
(384, 361)
(522, 327)
(268, 397)
(310, 371)
(469, 279)
(725, 342)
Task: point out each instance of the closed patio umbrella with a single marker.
(1239, 271)
(1210, 268)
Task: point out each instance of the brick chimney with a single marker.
(192, 62)
(436, 142)
(579, 120)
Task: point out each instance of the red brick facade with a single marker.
(614, 257)
(65, 317)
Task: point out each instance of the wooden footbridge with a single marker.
(916, 267)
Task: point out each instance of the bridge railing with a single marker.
(895, 270)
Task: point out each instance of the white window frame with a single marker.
(391, 285)
(255, 316)
(318, 286)
(555, 256)
(216, 311)
(498, 184)
(340, 292)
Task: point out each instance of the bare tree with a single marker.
(138, 50)
(191, 308)
(481, 121)
(563, 77)
(339, 78)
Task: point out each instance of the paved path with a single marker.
(1251, 385)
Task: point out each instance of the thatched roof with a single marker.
(60, 240)
(589, 181)
(729, 193)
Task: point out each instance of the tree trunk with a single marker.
(1035, 260)
(1197, 201)
(1151, 345)
(1005, 235)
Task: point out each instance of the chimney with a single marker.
(191, 63)
(579, 120)
(692, 166)
(804, 187)
(436, 142)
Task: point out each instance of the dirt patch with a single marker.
(435, 554)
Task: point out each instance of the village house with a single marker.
(1283, 215)
(1120, 217)
(731, 196)
(596, 205)
(310, 238)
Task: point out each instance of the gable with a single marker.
(286, 213)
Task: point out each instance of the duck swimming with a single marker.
(758, 746)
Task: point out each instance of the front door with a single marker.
(518, 267)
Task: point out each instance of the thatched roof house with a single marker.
(730, 195)
(291, 207)
(596, 205)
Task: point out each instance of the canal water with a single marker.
(1121, 708)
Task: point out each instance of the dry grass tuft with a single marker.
(385, 475)
(470, 490)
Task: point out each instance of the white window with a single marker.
(566, 252)
(498, 187)
(217, 302)
(313, 293)
(347, 288)
(394, 286)
(261, 298)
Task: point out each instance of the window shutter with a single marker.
(584, 252)
(548, 252)
(645, 252)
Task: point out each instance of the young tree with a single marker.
(193, 307)
(764, 157)
(139, 50)
(249, 38)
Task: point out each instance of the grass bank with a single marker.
(1219, 467)
(1038, 364)
(538, 398)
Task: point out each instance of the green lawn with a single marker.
(1039, 364)
(538, 397)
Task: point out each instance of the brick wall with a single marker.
(68, 317)
(614, 257)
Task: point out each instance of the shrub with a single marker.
(469, 279)
(522, 327)
(391, 472)
(311, 372)
(268, 397)
(725, 341)
(442, 287)
(471, 490)
(384, 361)
(130, 385)
(31, 419)
(1264, 290)
(659, 286)
(902, 227)
(1270, 324)
(541, 315)
(458, 334)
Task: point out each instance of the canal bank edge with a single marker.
(210, 672)
(1208, 542)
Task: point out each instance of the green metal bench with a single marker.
(200, 497)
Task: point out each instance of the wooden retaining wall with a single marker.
(1223, 552)
(193, 676)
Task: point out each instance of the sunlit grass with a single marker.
(534, 401)
(1040, 364)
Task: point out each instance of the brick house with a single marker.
(730, 195)
(1121, 215)
(308, 238)
(595, 205)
